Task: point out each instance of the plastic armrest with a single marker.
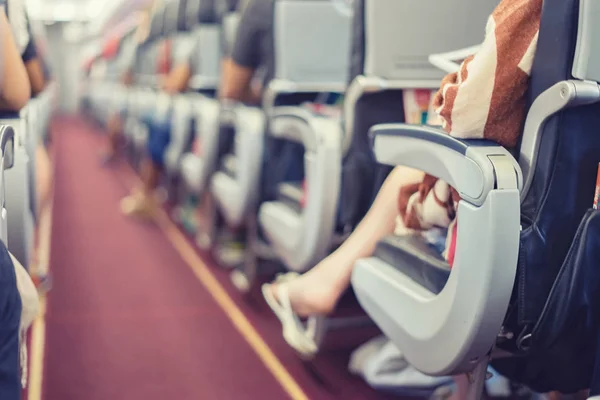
(7, 145)
(469, 166)
(299, 125)
(462, 321)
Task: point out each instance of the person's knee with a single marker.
(402, 175)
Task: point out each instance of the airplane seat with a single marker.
(148, 101)
(20, 225)
(204, 31)
(297, 78)
(302, 238)
(196, 168)
(524, 285)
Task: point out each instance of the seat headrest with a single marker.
(320, 54)
(400, 35)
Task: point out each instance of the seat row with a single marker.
(523, 290)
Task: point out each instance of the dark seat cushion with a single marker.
(415, 258)
(291, 193)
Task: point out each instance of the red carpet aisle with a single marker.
(127, 319)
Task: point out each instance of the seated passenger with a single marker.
(16, 89)
(484, 100)
(14, 96)
(116, 121)
(251, 51)
(141, 201)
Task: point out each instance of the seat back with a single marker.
(207, 60)
(157, 23)
(398, 48)
(229, 24)
(319, 55)
(148, 59)
(556, 306)
(389, 43)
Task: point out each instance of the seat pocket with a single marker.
(561, 348)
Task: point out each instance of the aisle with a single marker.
(137, 313)
(126, 318)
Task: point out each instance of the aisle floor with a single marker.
(134, 313)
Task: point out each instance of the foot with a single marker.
(316, 292)
(138, 205)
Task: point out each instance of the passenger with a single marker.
(246, 72)
(484, 100)
(141, 201)
(16, 89)
(38, 78)
(116, 121)
(251, 51)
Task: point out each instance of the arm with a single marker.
(236, 82)
(177, 80)
(16, 89)
(36, 76)
(238, 70)
(33, 65)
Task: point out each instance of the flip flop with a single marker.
(302, 337)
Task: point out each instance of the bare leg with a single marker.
(462, 387)
(318, 290)
(44, 188)
(115, 129)
(44, 177)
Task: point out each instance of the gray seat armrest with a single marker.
(461, 319)
(467, 165)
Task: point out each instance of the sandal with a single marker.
(300, 336)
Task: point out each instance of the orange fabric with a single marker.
(485, 99)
